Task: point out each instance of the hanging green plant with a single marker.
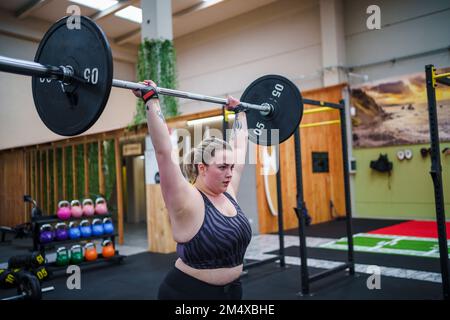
(156, 61)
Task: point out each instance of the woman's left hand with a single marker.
(232, 103)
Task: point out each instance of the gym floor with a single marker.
(139, 275)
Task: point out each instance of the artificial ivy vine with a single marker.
(156, 61)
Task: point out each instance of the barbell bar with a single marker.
(265, 109)
(72, 76)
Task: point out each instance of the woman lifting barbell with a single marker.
(211, 231)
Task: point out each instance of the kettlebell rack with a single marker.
(39, 221)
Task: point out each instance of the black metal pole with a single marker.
(224, 124)
(348, 204)
(280, 212)
(300, 215)
(436, 175)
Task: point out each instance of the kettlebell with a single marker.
(76, 254)
(108, 226)
(88, 207)
(100, 206)
(61, 232)
(75, 209)
(46, 233)
(90, 252)
(108, 249)
(62, 256)
(97, 227)
(85, 228)
(63, 212)
(74, 230)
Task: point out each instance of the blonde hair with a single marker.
(202, 153)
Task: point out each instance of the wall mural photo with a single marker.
(395, 111)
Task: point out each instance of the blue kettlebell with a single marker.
(46, 233)
(97, 227)
(85, 228)
(108, 226)
(74, 231)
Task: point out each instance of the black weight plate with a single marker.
(30, 286)
(287, 102)
(75, 109)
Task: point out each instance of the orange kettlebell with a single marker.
(90, 252)
(108, 249)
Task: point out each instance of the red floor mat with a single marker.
(425, 229)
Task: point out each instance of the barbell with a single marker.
(72, 76)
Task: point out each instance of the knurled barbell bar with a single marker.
(72, 76)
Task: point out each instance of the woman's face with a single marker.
(217, 175)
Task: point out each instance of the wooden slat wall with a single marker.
(74, 172)
(26, 157)
(47, 185)
(101, 175)
(41, 180)
(118, 162)
(318, 188)
(55, 181)
(12, 187)
(160, 238)
(63, 161)
(86, 169)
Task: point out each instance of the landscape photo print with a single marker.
(395, 111)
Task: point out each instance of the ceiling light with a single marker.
(131, 13)
(96, 4)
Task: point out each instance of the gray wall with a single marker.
(408, 27)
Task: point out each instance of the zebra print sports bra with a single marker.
(221, 241)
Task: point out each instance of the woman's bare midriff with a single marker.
(218, 277)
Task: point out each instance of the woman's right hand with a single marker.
(139, 93)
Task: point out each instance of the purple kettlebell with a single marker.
(61, 232)
(46, 233)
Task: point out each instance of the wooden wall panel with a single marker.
(119, 188)
(318, 188)
(86, 169)
(47, 185)
(101, 175)
(41, 201)
(12, 188)
(55, 180)
(74, 173)
(64, 185)
(160, 238)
